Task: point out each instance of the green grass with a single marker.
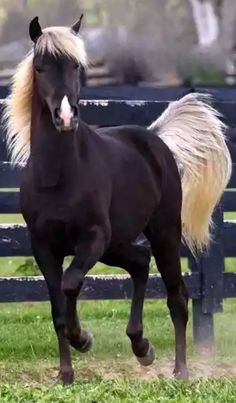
(27, 331)
(104, 391)
(29, 357)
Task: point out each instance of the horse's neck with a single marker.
(54, 155)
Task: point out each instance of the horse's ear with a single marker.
(35, 30)
(76, 26)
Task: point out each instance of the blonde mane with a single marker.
(18, 105)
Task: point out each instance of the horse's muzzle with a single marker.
(66, 117)
(62, 127)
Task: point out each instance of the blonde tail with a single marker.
(192, 130)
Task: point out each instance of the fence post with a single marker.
(210, 266)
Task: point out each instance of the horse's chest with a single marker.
(60, 228)
(58, 219)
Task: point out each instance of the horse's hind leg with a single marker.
(141, 346)
(135, 260)
(165, 242)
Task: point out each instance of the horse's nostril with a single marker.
(75, 110)
(57, 113)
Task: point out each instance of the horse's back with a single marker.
(132, 138)
(137, 145)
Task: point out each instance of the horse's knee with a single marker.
(72, 282)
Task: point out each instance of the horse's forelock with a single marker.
(62, 41)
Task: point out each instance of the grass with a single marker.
(29, 358)
(159, 391)
(27, 331)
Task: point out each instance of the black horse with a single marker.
(90, 194)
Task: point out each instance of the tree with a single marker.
(207, 21)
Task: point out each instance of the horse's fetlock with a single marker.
(135, 333)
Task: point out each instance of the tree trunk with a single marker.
(206, 21)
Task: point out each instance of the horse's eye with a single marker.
(76, 66)
(39, 69)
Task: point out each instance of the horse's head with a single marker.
(58, 57)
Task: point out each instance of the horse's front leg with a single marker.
(89, 250)
(51, 268)
(80, 339)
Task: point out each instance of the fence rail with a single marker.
(208, 283)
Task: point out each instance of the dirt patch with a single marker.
(45, 373)
(200, 368)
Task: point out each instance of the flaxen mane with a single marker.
(17, 113)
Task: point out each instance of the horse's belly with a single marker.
(130, 219)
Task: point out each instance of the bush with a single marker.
(28, 268)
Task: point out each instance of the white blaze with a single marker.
(66, 112)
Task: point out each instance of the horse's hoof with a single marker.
(181, 374)
(82, 342)
(66, 375)
(148, 358)
(88, 343)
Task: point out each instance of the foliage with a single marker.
(28, 268)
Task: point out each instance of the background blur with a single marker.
(138, 42)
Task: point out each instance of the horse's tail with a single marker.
(192, 130)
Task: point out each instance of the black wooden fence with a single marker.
(208, 283)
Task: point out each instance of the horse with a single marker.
(91, 193)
